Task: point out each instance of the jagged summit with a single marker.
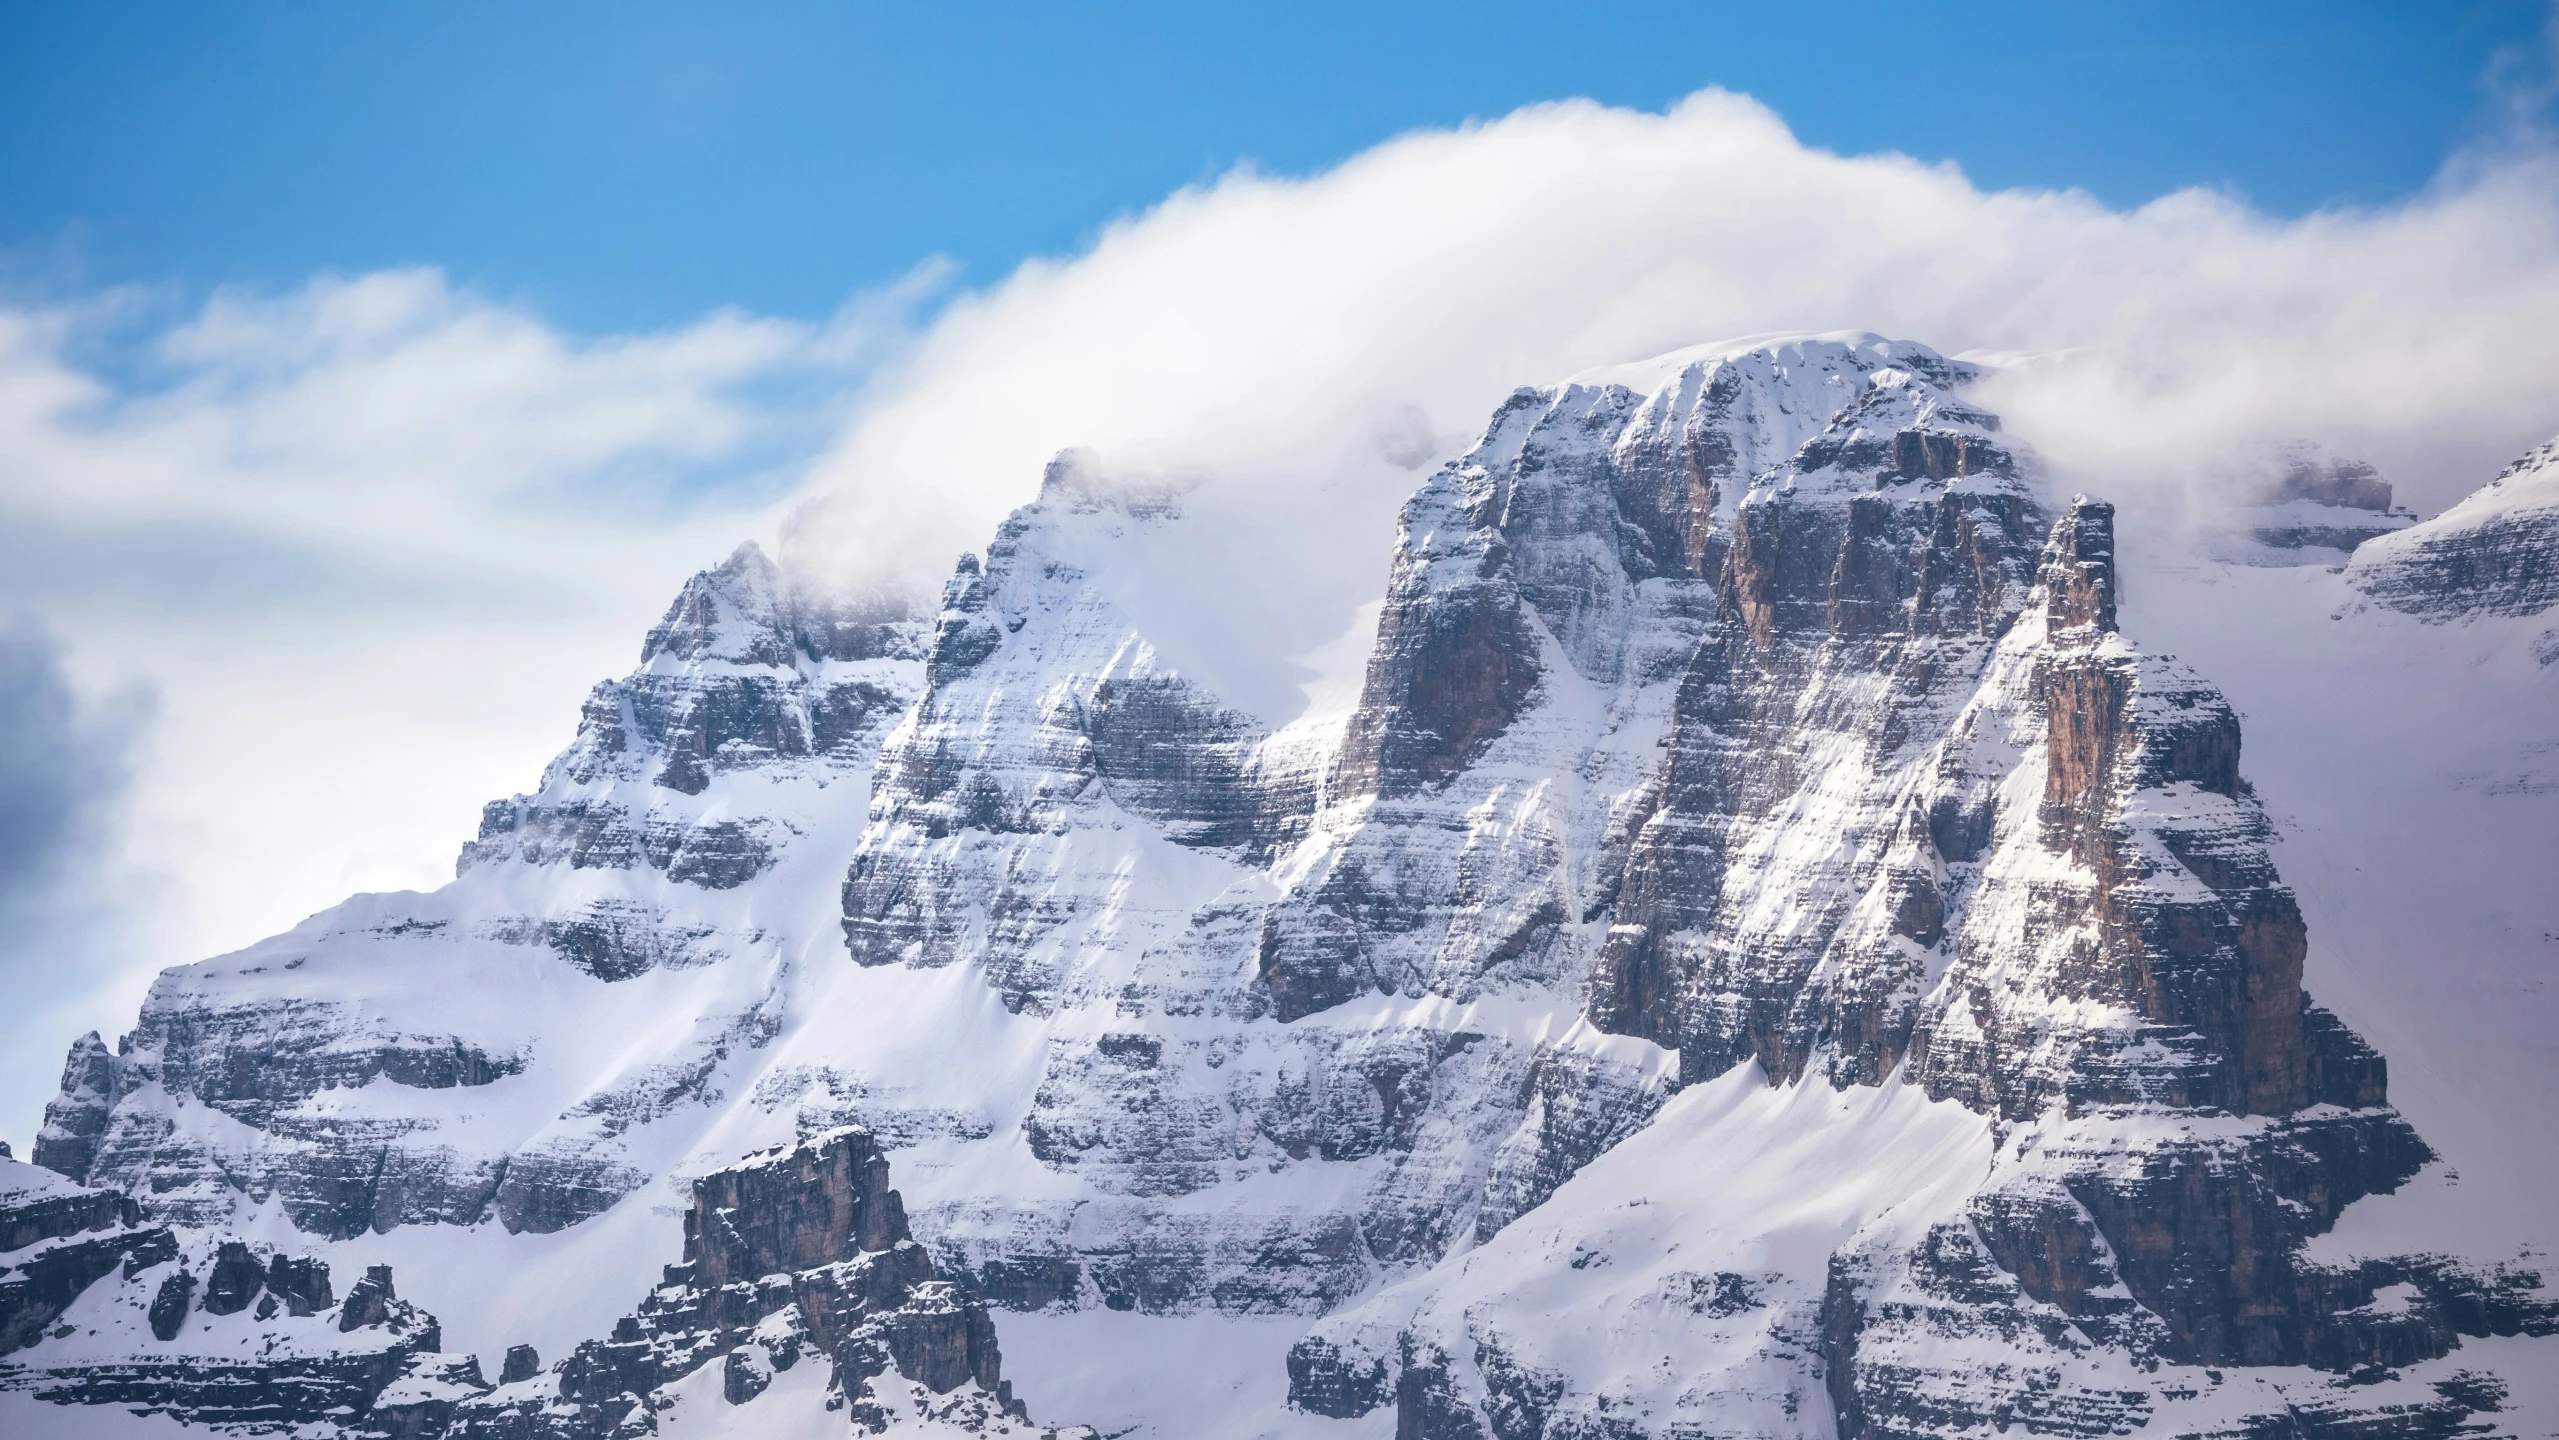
(1820, 350)
(746, 611)
(1077, 480)
(706, 769)
(735, 612)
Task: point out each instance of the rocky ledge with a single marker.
(795, 1255)
(799, 1254)
(97, 1308)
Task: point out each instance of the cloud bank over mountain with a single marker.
(1273, 328)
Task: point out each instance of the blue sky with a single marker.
(626, 165)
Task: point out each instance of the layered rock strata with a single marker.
(97, 1309)
(2495, 553)
(367, 1070)
(800, 1253)
(1350, 947)
(1762, 953)
(60, 1238)
(2049, 907)
(742, 675)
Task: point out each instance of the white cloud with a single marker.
(1268, 330)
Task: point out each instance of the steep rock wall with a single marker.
(2111, 985)
(369, 1070)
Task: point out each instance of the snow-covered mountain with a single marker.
(2495, 553)
(1774, 941)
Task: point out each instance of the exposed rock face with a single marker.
(1026, 730)
(2182, 924)
(2495, 553)
(808, 1206)
(302, 1285)
(34, 1208)
(692, 776)
(238, 1276)
(1560, 574)
(740, 675)
(59, 1238)
(523, 1362)
(169, 1305)
(73, 1120)
(1864, 588)
(155, 1323)
(2056, 911)
(796, 1254)
(2323, 479)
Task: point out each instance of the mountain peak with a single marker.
(730, 612)
(2495, 552)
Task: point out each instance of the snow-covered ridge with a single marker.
(1810, 356)
(2494, 553)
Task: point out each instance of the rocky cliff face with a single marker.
(99, 1309)
(1863, 589)
(369, 1069)
(1351, 949)
(2312, 507)
(1765, 952)
(740, 677)
(60, 1238)
(2023, 880)
(795, 1255)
